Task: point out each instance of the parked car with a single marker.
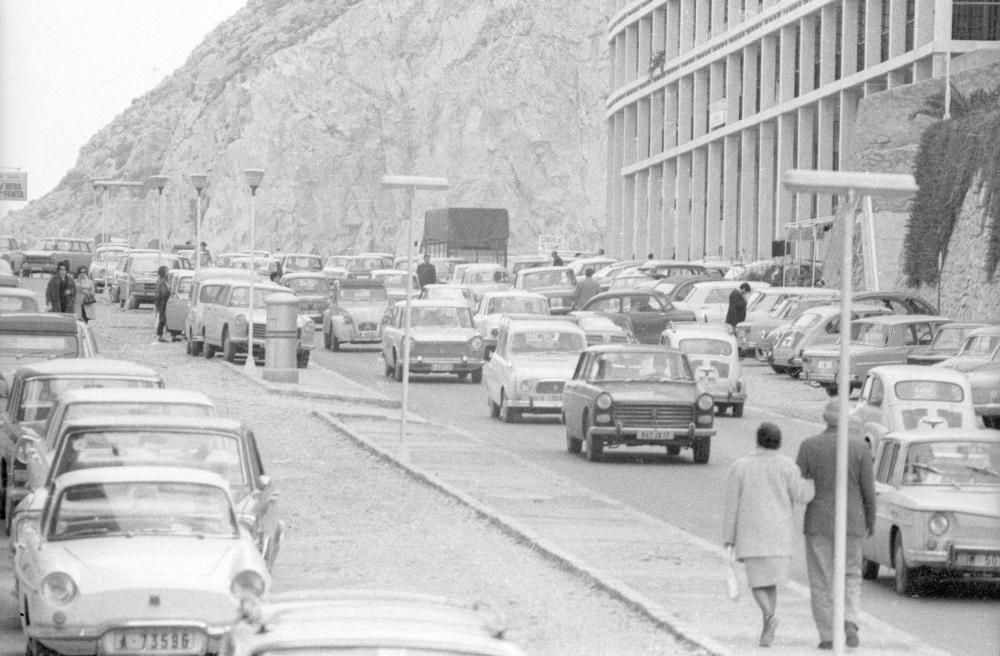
(492, 307)
(226, 326)
(355, 313)
(179, 281)
(605, 275)
(101, 551)
(580, 265)
(223, 446)
(947, 342)
(815, 328)
(709, 300)
(294, 262)
(908, 397)
(31, 392)
(649, 311)
(206, 284)
(448, 293)
(14, 300)
(11, 251)
(7, 277)
(937, 507)
(533, 360)
(442, 340)
(604, 327)
(482, 278)
(314, 291)
(29, 337)
(636, 395)
(371, 621)
(897, 302)
(49, 251)
(362, 264)
(982, 345)
(264, 266)
(135, 281)
(715, 361)
(665, 268)
(518, 263)
(874, 341)
(757, 336)
(979, 359)
(395, 283)
(558, 284)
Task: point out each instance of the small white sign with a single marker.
(13, 185)
(549, 243)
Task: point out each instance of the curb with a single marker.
(328, 396)
(613, 587)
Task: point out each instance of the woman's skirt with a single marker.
(766, 571)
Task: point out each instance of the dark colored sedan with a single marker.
(649, 310)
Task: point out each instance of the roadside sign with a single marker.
(13, 185)
(549, 243)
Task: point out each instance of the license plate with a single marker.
(440, 367)
(825, 365)
(653, 434)
(550, 398)
(368, 334)
(154, 641)
(989, 559)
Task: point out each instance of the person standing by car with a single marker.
(86, 296)
(585, 289)
(758, 519)
(426, 273)
(60, 293)
(556, 260)
(737, 311)
(817, 460)
(162, 294)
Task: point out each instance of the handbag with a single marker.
(89, 298)
(732, 580)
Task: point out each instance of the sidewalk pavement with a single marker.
(675, 578)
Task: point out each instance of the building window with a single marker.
(817, 51)
(757, 60)
(975, 20)
(861, 38)
(798, 53)
(840, 34)
(911, 20)
(884, 45)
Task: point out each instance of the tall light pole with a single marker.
(105, 186)
(410, 184)
(200, 181)
(858, 187)
(253, 178)
(159, 182)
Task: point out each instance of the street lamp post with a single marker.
(253, 178)
(200, 181)
(410, 184)
(105, 186)
(858, 187)
(159, 182)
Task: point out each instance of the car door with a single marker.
(265, 497)
(867, 417)
(180, 288)
(878, 546)
(573, 392)
(647, 316)
(495, 368)
(212, 312)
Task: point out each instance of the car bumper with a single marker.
(650, 436)
(988, 409)
(76, 640)
(537, 405)
(439, 366)
(354, 336)
(956, 560)
(827, 379)
(728, 397)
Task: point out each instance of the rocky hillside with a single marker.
(505, 98)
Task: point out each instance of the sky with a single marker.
(68, 67)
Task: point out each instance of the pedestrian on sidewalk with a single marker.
(818, 461)
(162, 294)
(60, 293)
(86, 296)
(737, 311)
(758, 519)
(556, 260)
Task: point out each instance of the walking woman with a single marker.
(86, 296)
(758, 520)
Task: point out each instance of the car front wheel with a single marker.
(207, 349)
(702, 450)
(477, 376)
(595, 445)
(397, 371)
(508, 415)
(573, 444)
(869, 570)
(905, 578)
(228, 348)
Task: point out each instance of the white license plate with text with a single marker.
(654, 434)
(984, 559)
(440, 367)
(154, 641)
(550, 398)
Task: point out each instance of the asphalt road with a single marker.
(962, 618)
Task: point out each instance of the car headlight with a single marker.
(938, 524)
(58, 588)
(527, 385)
(476, 343)
(240, 326)
(248, 584)
(705, 403)
(603, 401)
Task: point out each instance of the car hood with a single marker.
(538, 365)
(983, 501)
(441, 334)
(149, 558)
(965, 363)
(365, 312)
(649, 391)
(37, 252)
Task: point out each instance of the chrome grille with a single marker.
(976, 530)
(367, 326)
(438, 349)
(144, 288)
(654, 416)
(549, 387)
(259, 331)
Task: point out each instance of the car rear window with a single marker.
(929, 390)
(706, 346)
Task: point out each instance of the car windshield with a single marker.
(954, 463)
(980, 345)
(440, 317)
(9, 304)
(149, 265)
(18, 346)
(929, 390)
(362, 295)
(444, 294)
(92, 510)
(759, 301)
(546, 341)
(540, 279)
(215, 452)
(39, 394)
(394, 280)
(805, 320)
(870, 334)
(124, 408)
(309, 285)
(365, 263)
(484, 277)
(518, 305)
(642, 365)
(950, 337)
(706, 346)
(303, 263)
(240, 296)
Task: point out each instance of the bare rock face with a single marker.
(504, 98)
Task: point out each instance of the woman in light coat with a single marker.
(758, 519)
(85, 291)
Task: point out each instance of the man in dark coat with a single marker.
(60, 293)
(817, 459)
(737, 305)
(556, 260)
(426, 273)
(586, 289)
(162, 294)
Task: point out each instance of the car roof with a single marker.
(222, 273)
(134, 395)
(140, 474)
(17, 291)
(533, 322)
(38, 322)
(991, 329)
(85, 367)
(544, 269)
(804, 291)
(437, 302)
(834, 308)
(164, 423)
(898, 372)
(946, 434)
(311, 255)
(899, 319)
(304, 274)
(515, 293)
(632, 348)
(181, 273)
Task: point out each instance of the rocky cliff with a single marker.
(505, 98)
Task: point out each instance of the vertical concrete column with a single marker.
(750, 9)
(768, 71)
(687, 25)
(615, 193)
(923, 23)
(873, 35)
(682, 232)
(786, 72)
(654, 210)
(730, 196)
(827, 44)
(897, 28)
(701, 16)
(641, 239)
(656, 117)
(746, 237)
(849, 63)
(699, 174)
(714, 200)
(659, 32)
(645, 44)
(734, 85)
(807, 54)
(750, 55)
(806, 158)
(630, 132)
(673, 29)
(785, 200)
(849, 99)
(642, 129)
(620, 64)
(631, 53)
(668, 238)
(685, 104)
(718, 17)
(699, 103)
(735, 12)
(628, 217)
(670, 125)
(612, 63)
(825, 147)
(767, 181)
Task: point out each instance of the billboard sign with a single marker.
(549, 243)
(13, 185)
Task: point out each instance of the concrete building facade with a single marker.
(712, 100)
